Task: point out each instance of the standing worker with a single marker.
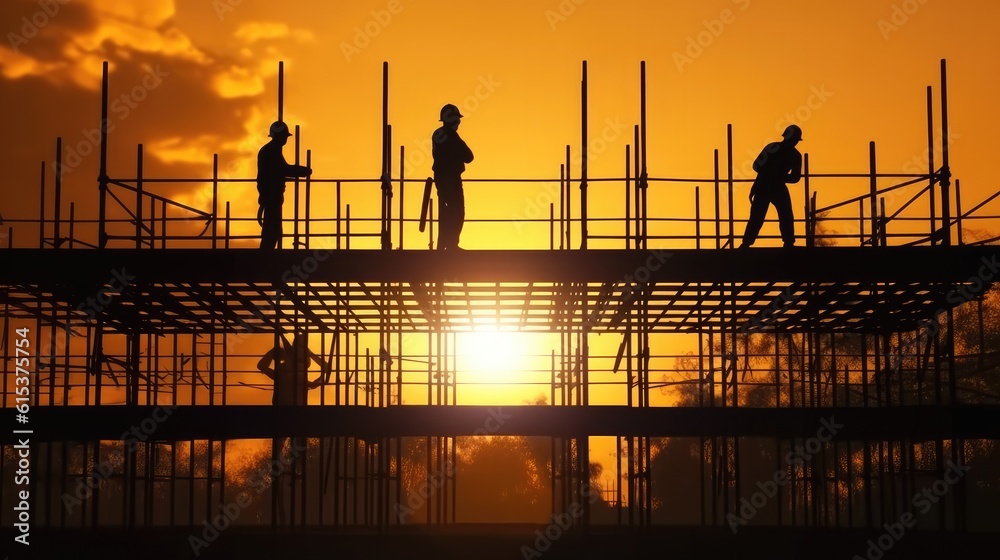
(272, 170)
(778, 164)
(290, 374)
(450, 156)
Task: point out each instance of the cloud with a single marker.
(237, 81)
(64, 50)
(207, 101)
(252, 31)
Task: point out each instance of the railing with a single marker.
(543, 213)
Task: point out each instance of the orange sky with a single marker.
(851, 71)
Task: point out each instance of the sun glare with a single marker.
(493, 353)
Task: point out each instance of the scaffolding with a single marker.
(140, 347)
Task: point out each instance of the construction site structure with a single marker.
(139, 336)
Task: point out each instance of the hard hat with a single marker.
(449, 113)
(792, 131)
(278, 130)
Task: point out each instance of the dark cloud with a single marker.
(19, 21)
(154, 98)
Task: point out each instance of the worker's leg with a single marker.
(449, 203)
(445, 219)
(277, 496)
(270, 233)
(786, 220)
(459, 215)
(758, 211)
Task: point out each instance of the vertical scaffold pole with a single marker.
(215, 203)
(930, 164)
(628, 201)
(569, 198)
(583, 164)
(945, 169)
(295, 213)
(386, 184)
(729, 181)
(102, 175)
(58, 194)
(718, 212)
(644, 179)
(872, 192)
(281, 90)
(639, 182)
(138, 197)
(402, 158)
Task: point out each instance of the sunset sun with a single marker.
(492, 354)
(563, 280)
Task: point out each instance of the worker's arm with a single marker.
(264, 365)
(795, 168)
(324, 376)
(449, 147)
(760, 164)
(295, 170)
(463, 149)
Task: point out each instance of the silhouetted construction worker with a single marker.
(291, 370)
(778, 164)
(450, 156)
(272, 170)
(291, 387)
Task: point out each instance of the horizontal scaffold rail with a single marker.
(826, 289)
(913, 423)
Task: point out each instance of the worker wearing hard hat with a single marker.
(450, 154)
(778, 164)
(272, 170)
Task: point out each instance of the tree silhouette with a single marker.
(902, 375)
